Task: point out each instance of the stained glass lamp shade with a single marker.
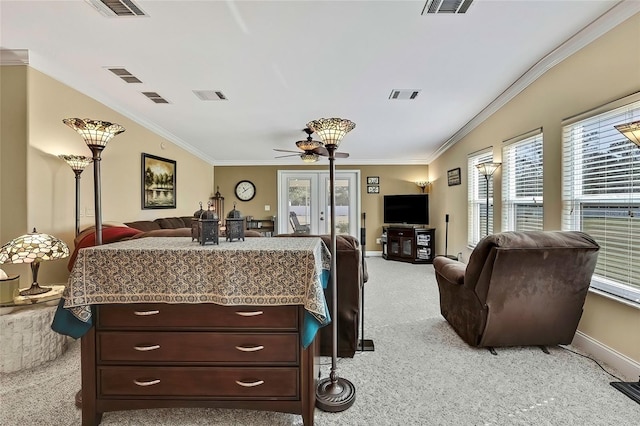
(331, 130)
(77, 162)
(94, 132)
(631, 131)
(33, 248)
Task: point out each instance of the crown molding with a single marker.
(14, 57)
(619, 13)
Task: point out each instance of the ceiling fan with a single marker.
(312, 149)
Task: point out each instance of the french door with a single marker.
(304, 201)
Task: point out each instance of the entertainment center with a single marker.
(408, 244)
(407, 237)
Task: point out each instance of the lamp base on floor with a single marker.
(366, 345)
(335, 395)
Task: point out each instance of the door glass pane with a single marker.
(299, 205)
(342, 206)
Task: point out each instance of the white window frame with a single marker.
(477, 199)
(522, 176)
(618, 241)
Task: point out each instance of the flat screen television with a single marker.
(410, 209)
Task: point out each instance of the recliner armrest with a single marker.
(451, 270)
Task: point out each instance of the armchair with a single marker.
(297, 227)
(519, 288)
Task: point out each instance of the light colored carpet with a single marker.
(421, 373)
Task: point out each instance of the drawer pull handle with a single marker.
(146, 348)
(249, 385)
(250, 314)
(147, 382)
(145, 313)
(251, 349)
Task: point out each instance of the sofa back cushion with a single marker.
(143, 225)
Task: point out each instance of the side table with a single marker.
(26, 338)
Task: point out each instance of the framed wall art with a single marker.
(453, 177)
(373, 189)
(158, 182)
(373, 180)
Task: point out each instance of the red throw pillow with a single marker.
(109, 235)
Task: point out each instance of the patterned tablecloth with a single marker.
(258, 271)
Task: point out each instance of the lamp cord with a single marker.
(592, 359)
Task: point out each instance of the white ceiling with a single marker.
(282, 64)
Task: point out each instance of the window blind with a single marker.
(522, 207)
(601, 195)
(477, 198)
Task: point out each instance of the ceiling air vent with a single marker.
(155, 97)
(210, 95)
(404, 94)
(124, 74)
(117, 7)
(446, 6)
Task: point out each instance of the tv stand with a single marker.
(408, 243)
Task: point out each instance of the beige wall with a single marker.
(50, 183)
(599, 73)
(13, 157)
(393, 180)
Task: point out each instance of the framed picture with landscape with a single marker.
(158, 182)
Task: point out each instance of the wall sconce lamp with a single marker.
(96, 135)
(631, 131)
(422, 184)
(487, 170)
(77, 164)
(33, 248)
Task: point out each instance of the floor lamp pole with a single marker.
(487, 221)
(334, 394)
(96, 150)
(77, 173)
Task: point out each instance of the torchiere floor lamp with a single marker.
(333, 394)
(96, 135)
(78, 164)
(487, 170)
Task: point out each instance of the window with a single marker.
(477, 198)
(522, 208)
(601, 194)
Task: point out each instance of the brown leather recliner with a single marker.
(351, 276)
(519, 288)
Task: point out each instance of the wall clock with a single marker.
(245, 190)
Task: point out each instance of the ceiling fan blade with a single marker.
(290, 155)
(285, 150)
(321, 150)
(341, 155)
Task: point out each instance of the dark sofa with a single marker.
(352, 275)
(181, 223)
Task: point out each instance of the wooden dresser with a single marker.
(197, 355)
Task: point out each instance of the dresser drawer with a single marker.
(196, 316)
(199, 382)
(198, 346)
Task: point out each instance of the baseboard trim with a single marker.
(373, 254)
(629, 368)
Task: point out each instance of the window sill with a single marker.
(615, 298)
